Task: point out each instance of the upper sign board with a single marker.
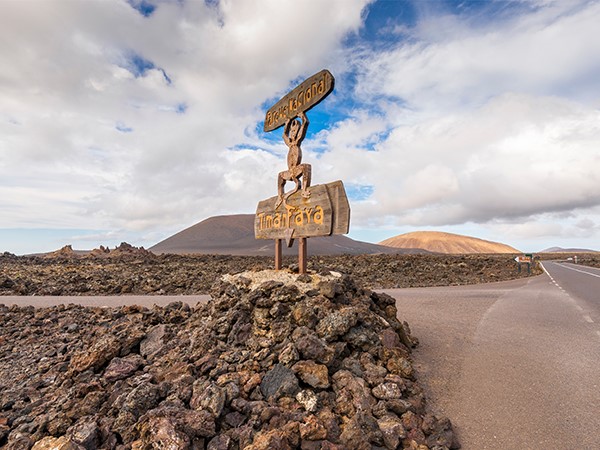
(523, 259)
(302, 98)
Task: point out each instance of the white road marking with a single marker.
(547, 273)
(580, 271)
(588, 319)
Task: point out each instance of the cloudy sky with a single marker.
(131, 120)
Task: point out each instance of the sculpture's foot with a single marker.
(305, 194)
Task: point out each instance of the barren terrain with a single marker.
(144, 273)
(274, 361)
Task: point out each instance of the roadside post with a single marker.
(304, 211)
(527, 258)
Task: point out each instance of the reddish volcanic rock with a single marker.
(274, 360)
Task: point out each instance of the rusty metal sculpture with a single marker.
(294, 132)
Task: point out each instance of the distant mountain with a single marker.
(234, 235)
(435, 241)
(567, 250)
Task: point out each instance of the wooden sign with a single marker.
(340, 206)
(302, 98)
(324, 213)
(523, 259)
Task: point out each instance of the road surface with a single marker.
(515, 365)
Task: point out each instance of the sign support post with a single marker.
(278, 256)
(302, 252)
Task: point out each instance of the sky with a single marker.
(132, 120)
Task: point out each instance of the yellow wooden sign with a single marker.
(324, 213)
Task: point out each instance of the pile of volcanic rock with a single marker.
(274, 361)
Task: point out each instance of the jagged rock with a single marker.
(312, 429)
(161, 432)
(154, 341)
(85, 433)
(312, 373)
(311, 347)
(220, 442)
(279, 381)
(337, 323)
(65, 252)
(52, 443)
(172, 426)
(392, 430)
(387, 391)
(120, 368)
(208, 396)
(272, 361)
(308, 400)
(102, 351)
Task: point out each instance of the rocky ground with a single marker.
(127, 270)
(273, 361)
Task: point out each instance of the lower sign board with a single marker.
(325, 212)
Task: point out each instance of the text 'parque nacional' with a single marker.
(306, 95)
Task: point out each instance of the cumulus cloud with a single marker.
(452, 62)
(491, 122)
(144, 116)
(128, 115)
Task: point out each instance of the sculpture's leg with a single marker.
(293, 191)
(280, 186)
(306, 175)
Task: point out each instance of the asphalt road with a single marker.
(515, 365)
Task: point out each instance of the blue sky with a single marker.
(131, 120)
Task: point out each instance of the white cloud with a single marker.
(490, 163)
(112, 120)
(498, 122)
(452, 63)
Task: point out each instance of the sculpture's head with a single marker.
(294, 127)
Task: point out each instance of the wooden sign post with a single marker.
(306, 210)
(526, 259)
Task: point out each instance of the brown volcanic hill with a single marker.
(439, 242)
(234, 235)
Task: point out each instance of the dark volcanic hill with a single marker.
(234, 235)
